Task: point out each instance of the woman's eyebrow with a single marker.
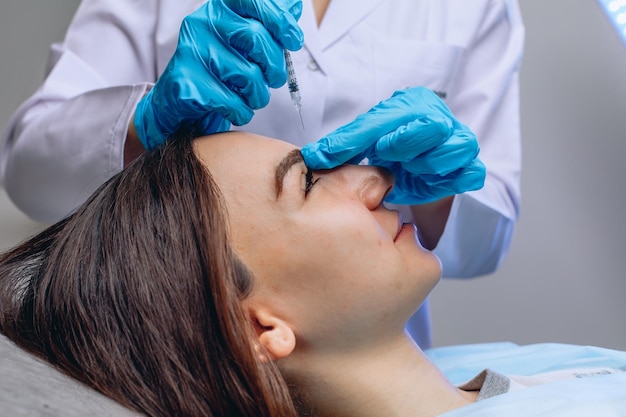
(292, 158)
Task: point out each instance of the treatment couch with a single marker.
(31, 387)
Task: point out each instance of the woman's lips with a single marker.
(402, 227)
(399, 226)
(405, 228)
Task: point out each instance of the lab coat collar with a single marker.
(340, 17)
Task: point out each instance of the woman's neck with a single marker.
(320, 7)
(399, 381)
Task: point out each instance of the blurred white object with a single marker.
(615, 10)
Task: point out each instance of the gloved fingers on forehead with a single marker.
(346, 144)
(360, 137)
(258, 47)
(326, 154)
(413, 139)
(211, 123)
(280, 17)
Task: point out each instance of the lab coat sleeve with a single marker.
(68, 138)
(481, 224)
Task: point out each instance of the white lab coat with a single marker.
(68, 137)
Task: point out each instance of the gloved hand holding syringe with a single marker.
(292, 84)
(231, 52)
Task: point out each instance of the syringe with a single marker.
(292, 83)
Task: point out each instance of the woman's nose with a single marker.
(376, 184)
(370, 184)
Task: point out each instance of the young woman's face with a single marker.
(326, 255)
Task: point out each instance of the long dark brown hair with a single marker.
(138, 295)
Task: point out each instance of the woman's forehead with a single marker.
(242, 162)
(240, 146)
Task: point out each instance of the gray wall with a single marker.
(564, 279)
(27, 27)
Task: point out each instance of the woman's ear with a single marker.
(276, 338)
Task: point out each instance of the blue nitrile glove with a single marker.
(413, 134)
(229, 53)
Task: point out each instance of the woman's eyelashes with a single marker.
(309, 182)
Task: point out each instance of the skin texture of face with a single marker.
(334, 264)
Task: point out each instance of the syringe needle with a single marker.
(292, 83)
(301, 121)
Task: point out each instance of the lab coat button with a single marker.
(313, 65)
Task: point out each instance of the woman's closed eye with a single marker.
(309, 181)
